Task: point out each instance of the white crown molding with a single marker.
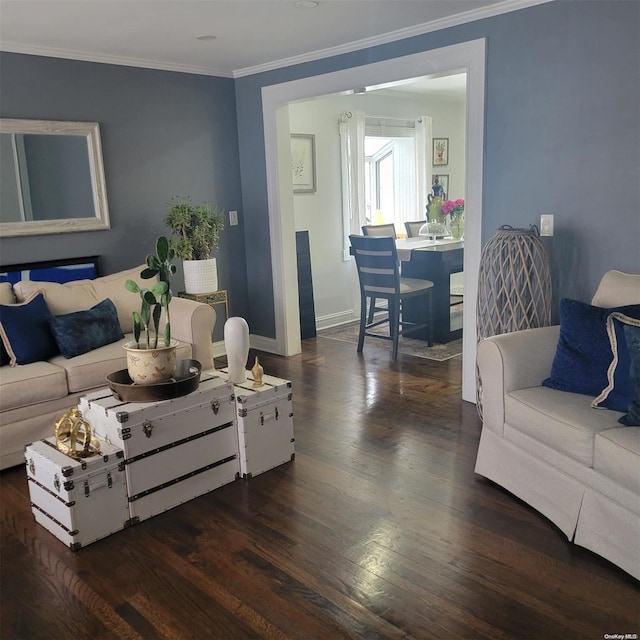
(400, 34)
(68, 54)
(506, 6)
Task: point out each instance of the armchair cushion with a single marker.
(83, 294)
(6, 294)
(583, 353)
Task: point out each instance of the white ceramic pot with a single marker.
(200, 276)
(151, 366)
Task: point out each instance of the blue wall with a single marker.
(562, 136)
(163, 134)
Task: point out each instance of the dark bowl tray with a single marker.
(186, 380)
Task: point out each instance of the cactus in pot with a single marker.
(147, 362)
(155, 299)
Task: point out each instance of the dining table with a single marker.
(432, 259)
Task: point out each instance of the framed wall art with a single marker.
(443, 181)
(440, 151)
(60, 271)
(303, 162)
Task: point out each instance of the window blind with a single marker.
(389, 128)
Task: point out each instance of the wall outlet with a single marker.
(546, 224)
(233, 218)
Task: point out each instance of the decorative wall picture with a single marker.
(440, 151)
(303, 162)
(443, 181)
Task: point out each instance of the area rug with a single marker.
(410, 346)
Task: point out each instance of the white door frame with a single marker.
(466, 56)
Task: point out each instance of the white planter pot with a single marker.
(151, 366)
(200, 276)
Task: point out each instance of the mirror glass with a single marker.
(51, 177)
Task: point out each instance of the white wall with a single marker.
(321, 212)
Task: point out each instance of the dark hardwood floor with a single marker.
(378, 529)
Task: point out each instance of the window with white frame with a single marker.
(390, 172)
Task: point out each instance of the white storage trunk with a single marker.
(265, 423)
(78, 500)
(175, 449)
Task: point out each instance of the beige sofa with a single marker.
(575, 464)
(32, 396)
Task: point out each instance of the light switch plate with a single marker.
(546, 224)
(233, 218)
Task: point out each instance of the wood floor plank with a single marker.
(66, 605)
(378, 529)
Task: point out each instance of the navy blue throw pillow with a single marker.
(25, 329)
(82, 331)
(632, 334)
(583, 353)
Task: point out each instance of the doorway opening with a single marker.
(468, 57)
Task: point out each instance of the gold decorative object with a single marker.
(257, 372)
(73, 436)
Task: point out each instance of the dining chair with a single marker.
(414, 227)
(379, 276)
(379, 230)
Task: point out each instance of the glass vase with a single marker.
(457, 226)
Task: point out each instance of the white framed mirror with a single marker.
(51, 177)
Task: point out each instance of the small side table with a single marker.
(213, 298)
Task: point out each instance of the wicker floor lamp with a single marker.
(514, 286)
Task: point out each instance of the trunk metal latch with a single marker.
(147, 427)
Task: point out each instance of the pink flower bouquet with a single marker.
(453, 207)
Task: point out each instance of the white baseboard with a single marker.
(263, 344)
(257, 342)
(335, 319)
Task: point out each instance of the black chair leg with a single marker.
(372, 310)
(363, 321)
(394, 324)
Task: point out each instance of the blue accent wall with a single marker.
(164, 134)
(562, 136)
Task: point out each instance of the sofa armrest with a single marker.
(511, 361)
(193, 322)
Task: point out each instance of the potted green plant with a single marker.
(150, 361)
(197, 229)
